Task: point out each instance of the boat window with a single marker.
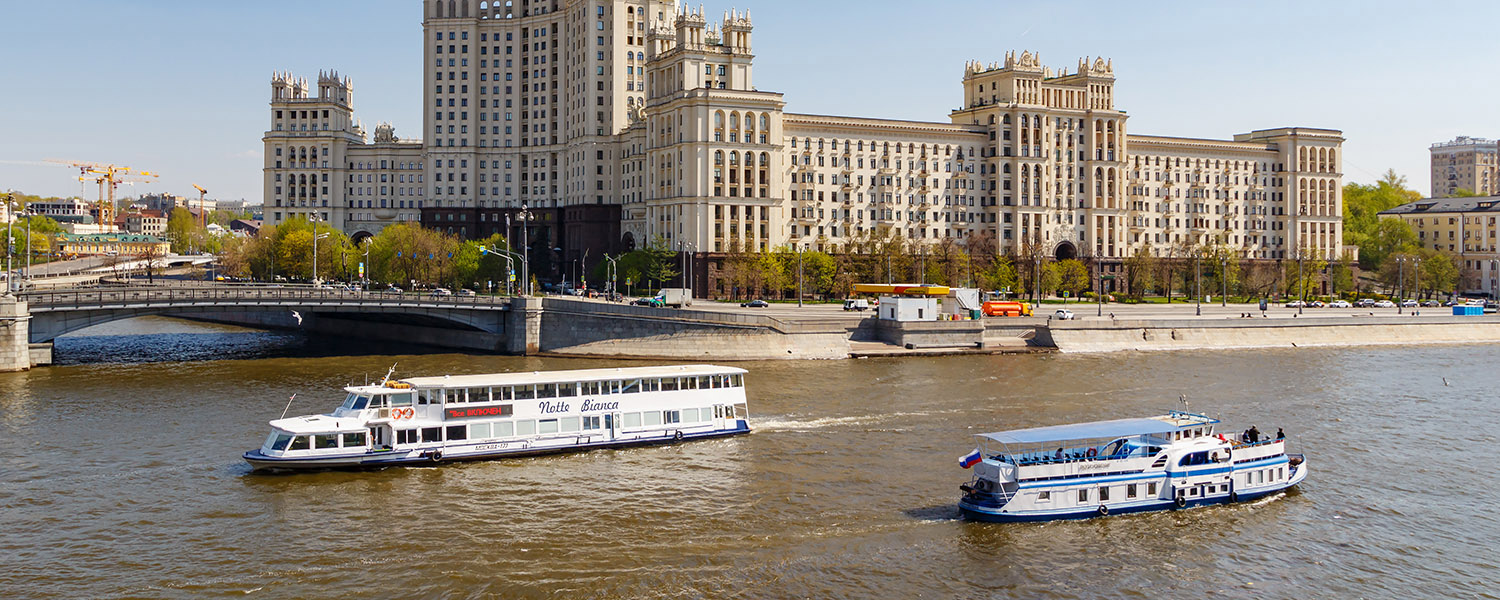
(1044, 496)
(479, 431)
(280, 440)
(1151, 489)
(671, 416)
(361, 402)
(546, 390)
(594, 422)
(1196, 458)
(426, 397)
(432, 434)
(299, 443)
(527, 427)
(325, 441)
(458, 432)
(1103, 494)
(568, 424)
(590, 388)
(736, 380)
(614, 387)
(1083, 496)
(479, 394)
(1130, 491)
(545, 426)
(631, 386)
(650, 385)
(669, 384)
(400, 399)
(524, 392)
(740, 412)
(715, 382)
(379, 402)
(406, 436)
(651, 418)
(689, 415)
(505, 429)
(705, 382)
(354, 440)
(687, 383)
(630, 420)
(500, 394)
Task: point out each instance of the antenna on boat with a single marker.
(388, 374)
(288, 405)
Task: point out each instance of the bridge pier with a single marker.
(15, 335)
(525, 326)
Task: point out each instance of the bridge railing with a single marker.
(131, 297)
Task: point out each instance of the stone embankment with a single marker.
(1114, 335)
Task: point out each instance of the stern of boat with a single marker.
(993, 486)
(1297, 464)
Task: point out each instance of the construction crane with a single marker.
(108, 177)
(202, 212)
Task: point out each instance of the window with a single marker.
(527, 427)
(432, 434)
(545, 426)
(594, 422)
(477, 431)
(1151, 489)
(1130, 490)
(651, 418)
(671, 416)
(630, 420)
(1044, 496)
(324, 441)
(457, 432)
(406, 436)
(1083, 496)
(1104, 494)
(505, 429)
(299, 443)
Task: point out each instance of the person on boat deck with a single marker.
(1253, 434)
(1280, 435)
(1059, 454)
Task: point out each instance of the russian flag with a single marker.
(970, 459)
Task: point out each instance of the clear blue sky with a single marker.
(181, 86)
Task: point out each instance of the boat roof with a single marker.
(318, 424)
(533, 377)
(1099, 429)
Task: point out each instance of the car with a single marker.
(755, 304)
(466, 292)
(1409, 304)
(440, 292)
(1340, 304)
(1431, 304)
(1296, 304)
(1385, 304)
(1063, 314)
(647, 301)
(856, 304)
(393, 290)
(1316, 304)
(1365, 303)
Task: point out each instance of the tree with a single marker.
(1464, 193)
(183, 230)
(1140, 271)
(1341, 274)
(1438, 272)
(1362, 205)
(999, 275)
(1072, 276)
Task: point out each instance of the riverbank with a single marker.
(1116, 335)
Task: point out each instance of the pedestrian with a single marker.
(1280, 435)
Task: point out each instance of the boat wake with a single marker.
(785, 423)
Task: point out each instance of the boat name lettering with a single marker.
(589, 405)
(1093, 466)
(476, 412)
(548, 408)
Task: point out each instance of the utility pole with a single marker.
(10, 223)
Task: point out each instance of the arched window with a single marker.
(718, 157)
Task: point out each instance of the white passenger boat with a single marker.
(1127, 465)
(425, 420)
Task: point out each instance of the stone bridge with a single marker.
(455, 321)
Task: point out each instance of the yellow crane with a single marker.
(108, 176)
(202, 212)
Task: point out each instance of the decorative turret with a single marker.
(1099, 68)
(736, 30)
(332, 88)
(1026, 62)
(690, 25)
(286, 87)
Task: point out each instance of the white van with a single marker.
(856, 304)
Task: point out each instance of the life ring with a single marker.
(677, 437)
(437, 455)
(1103, 510)
(1093, 452)
(1234, 496)
(1180, 502)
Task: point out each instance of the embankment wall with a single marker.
(1107, 335)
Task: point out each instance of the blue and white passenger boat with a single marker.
(427, 420)
(1127, 465)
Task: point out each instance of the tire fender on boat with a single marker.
(677, 437)
(1103, 510)
(437, 455)
(1180, 502)
(1234, 496)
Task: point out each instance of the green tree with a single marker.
(1072, 276)
(1000, 275)
(1438, 272)
(183, 230)
(1140, 271)
(1464, 193)
(1362, 205)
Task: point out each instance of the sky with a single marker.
(182, 87)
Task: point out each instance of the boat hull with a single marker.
(977, 512)
(433, 456)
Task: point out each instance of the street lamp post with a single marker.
(316, 237)
(10, 223)
(524, 216)
(1198, 283)
(1099, 295)
(510, 266)
(614, 272)
(799, 277)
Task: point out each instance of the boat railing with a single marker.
(1240, 444)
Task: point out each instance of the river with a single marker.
(120, 477)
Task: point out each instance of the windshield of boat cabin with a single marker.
(356, 402)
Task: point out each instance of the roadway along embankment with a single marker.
(1114, 335)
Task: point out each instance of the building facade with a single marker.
(617, 123)
(1465, 228)
(1465, 163)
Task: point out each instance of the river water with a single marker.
(120, 477)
